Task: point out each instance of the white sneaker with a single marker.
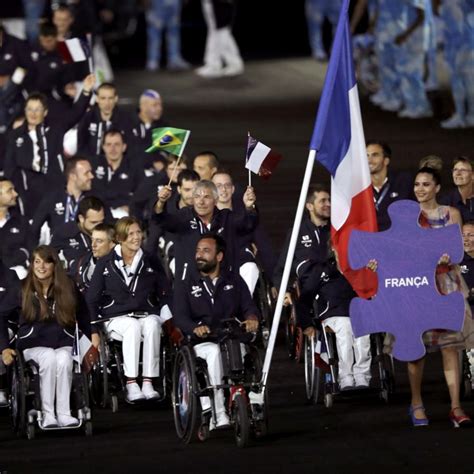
(149, 392)
(134, 394)
(209, 72)
(3, 398)
(178, 64)
(415, 113)
(233, 70)
(346, 383)
(391, 105)
(152, 66)
(67, 420)
(221, 423)
(49, 421)
(320, 55)
(456, 121)
(361, 381)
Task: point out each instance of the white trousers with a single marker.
(220, 44)
(131, 331)
(249, 272)
(211, 353)
(55, 372)
(353, 353)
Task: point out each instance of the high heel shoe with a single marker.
(418, 421)
(461, 421)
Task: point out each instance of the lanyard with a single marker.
(71, 209)
(44, 166)
(381, 196)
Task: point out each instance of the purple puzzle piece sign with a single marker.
(407, 303)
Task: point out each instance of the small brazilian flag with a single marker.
(171, 140)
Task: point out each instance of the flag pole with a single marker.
(250, 173)
(89, 59)
(258, 398)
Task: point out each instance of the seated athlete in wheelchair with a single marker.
(334, 294)
(128, 294)
(215, 311)
(43, 362)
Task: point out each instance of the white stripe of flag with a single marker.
(76, 50)
(257, 157)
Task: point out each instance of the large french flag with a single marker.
(339, 142)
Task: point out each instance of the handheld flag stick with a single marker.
(250, 173)
(185, 141)
(174, 171)
(90, 59)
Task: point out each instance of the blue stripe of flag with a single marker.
(332, 130)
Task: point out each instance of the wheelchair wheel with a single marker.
(18, 397)
(241, 421)
(99, 377)
(312, 373)
(184, 398)
(328, 400)
(114, 403)
(264, 304)
(290, 331)
(30, 431)
(88, 428)
(253, 374)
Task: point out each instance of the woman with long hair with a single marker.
(448, 279)
(50, 307)
(129, 290)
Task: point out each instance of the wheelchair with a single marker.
(241, 374)
(25, 398)
(321, 376)
(107, 379)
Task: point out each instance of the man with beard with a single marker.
(73, 239)
(203, 302)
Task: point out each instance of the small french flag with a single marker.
(261, 159)
(73, 50)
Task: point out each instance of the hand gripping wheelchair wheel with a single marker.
(184, 398)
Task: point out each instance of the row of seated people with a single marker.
(130, 295)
